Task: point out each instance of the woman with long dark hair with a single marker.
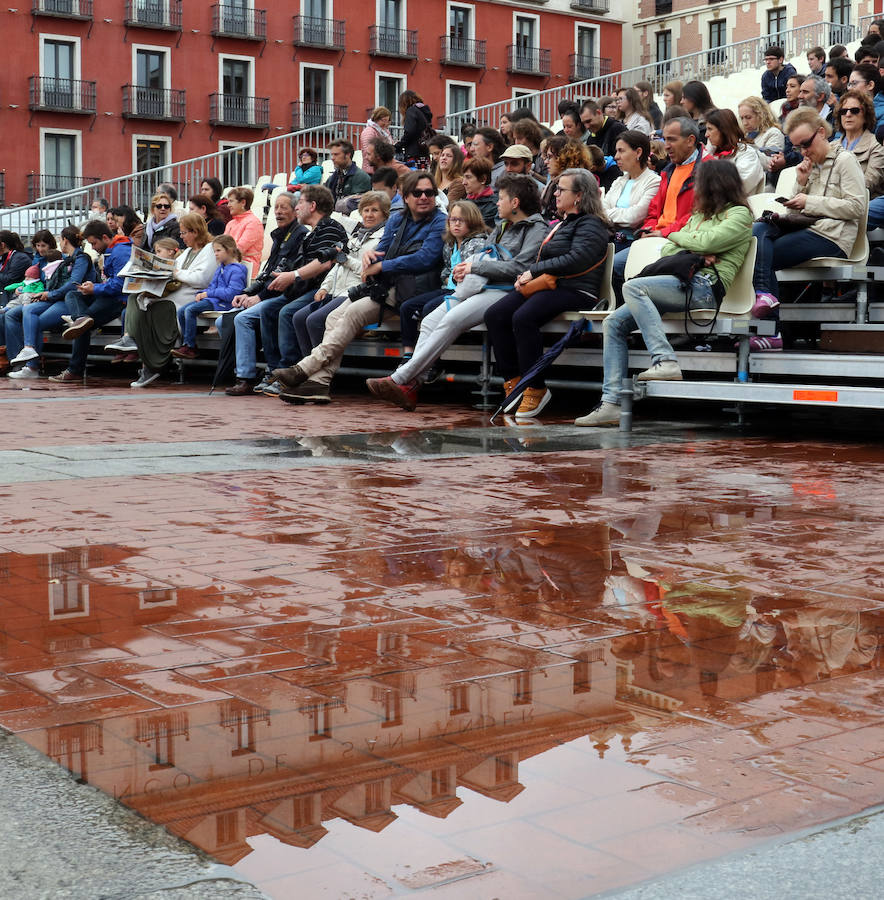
(696, 100)
(417, 119)
(633, 111)
(720, 230)
(627, 200)
(725, 140)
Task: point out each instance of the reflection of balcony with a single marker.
(583, 68)
(526, 60)
(153, 103)
(61, 95)
(44, 185)
(311, 31)
(244, 112)
(385, 41)
(591, 6)
(458, 51)
(306, 114)
(64, 9)
(236, 22)
(162, 14)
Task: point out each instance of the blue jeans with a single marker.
(187, 317)
(40, 317)
(309, 323)
(782, 251)
(103, 308)
(287, 352)
(246, 325)
(14, 331)
(876, 212)
(644, 300)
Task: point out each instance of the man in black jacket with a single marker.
(600, 129)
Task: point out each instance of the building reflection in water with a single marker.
(564, 632)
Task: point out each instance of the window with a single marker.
(302, 812)
(68, 596)
(504, 771)
(150, 82)
(387, 90)
(460, 32)
(458, 699)
(664, 53)
(374, 797)
(776, 22)
(316, 9)
(390, 13)
(525, 40)
(440, 783)
(59, 162)
(235, 18)
(391, 21)
(717, 38)
(226, 828)
(151, 12)
(321, 716)
(315, 23)
(59, 73)
(460, 97)
(151, 153)
(522, 688)
(528, 99)
(236, 166)
(586, 64)
(236, 79)
(582, 674)
(840, 16)
(316, 96)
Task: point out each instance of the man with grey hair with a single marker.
(671, 207)
(816, 93)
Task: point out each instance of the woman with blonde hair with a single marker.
(760, 126)
(152, 322)
(162, 222)
(449, 173)
(560, 153)
(672, 93)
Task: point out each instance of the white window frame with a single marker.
(66, 39)
(164, 138)
(377, 85)
(452, 4)
(519, 14)
(589, 26)
(167, 74)
(403, 24)
(453, 82)
(331, 80)
(233, 56)
(330, 14)
(78, 148)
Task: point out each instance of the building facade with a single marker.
(93, 89)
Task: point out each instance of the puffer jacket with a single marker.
(522, 240)
(342, 276)
(467, 248)
(579, 242)
(115, 257)
(843, 205)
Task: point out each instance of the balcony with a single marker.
(164, 15)
(61, 95)
(458, 51)
(326, 34)
(383, 41)
(306, 114)
(63, 9)
(662, 7)
(582, 68)
(235, 22)
(243, 112)
(45, 185)
(592, 6)
(524, 60)
(153, 103)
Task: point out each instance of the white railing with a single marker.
(249, 164)
(701, 66)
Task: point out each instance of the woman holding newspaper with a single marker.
(152, 321)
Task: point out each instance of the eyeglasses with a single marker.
(559, 190)
(805, 145)
(851, 110)
(456, 220)
(162, 206)
(424, 192)
(769, 58)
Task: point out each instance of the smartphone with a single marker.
(781, 199)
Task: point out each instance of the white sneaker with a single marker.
(68, 320)
(26, 355)
(145, 377)
(25, 372)
(665, 370)
(123, 345)
(604, 415)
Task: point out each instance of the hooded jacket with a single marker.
(115, 257)
(522, 240)
(773, 86)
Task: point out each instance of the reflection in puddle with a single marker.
(527, 675)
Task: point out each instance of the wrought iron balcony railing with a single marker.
(591, 6)
(306, 114)
(153, 103)
(234, 109)
(61, 95)
(458, 51)
(64, 9)
(311, 31)
(236, 22)
(584, 67)
(45, 185)
(528, 60)
(383, 41)
(162, 14)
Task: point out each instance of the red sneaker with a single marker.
(402, 395)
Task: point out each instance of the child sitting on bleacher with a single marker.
(26, 291)
(230, 279)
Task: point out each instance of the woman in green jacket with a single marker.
(720, 229)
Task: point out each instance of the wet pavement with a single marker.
(355, 652)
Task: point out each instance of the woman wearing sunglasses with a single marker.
(162, 222)
(855, 121)
(830, 186)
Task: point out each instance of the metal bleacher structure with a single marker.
(840, 365)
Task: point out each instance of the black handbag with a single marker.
(684, 265)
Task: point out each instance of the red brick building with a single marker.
(93, 89)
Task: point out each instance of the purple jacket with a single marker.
(228, 281)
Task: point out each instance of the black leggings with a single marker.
(514, 324)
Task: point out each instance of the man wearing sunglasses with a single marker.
(408, 258)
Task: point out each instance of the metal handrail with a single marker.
(724, 60)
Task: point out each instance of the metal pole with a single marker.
(627, 394)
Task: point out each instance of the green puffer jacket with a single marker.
(726, 235)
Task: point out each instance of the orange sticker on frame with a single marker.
(817, 396)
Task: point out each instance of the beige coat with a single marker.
(870, 156)
(844, 204)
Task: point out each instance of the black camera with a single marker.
(373, 289)
(331, 255)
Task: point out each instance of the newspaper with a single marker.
(146, 273)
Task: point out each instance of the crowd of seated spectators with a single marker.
(508, 227)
